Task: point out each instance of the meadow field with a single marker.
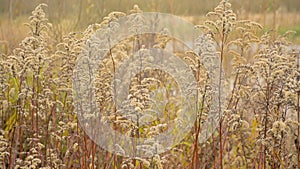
(212, 84)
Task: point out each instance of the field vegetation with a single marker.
(258, 128)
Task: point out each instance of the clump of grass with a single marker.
(256, 130)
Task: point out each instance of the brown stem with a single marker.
(115, 107)
(195, 159)
(298, 131)
(220, 109)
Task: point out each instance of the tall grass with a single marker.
(259, 127)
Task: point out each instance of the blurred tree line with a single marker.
(89, 10)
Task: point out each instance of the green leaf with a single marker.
(11, 121)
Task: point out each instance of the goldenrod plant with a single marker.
(258, 120)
